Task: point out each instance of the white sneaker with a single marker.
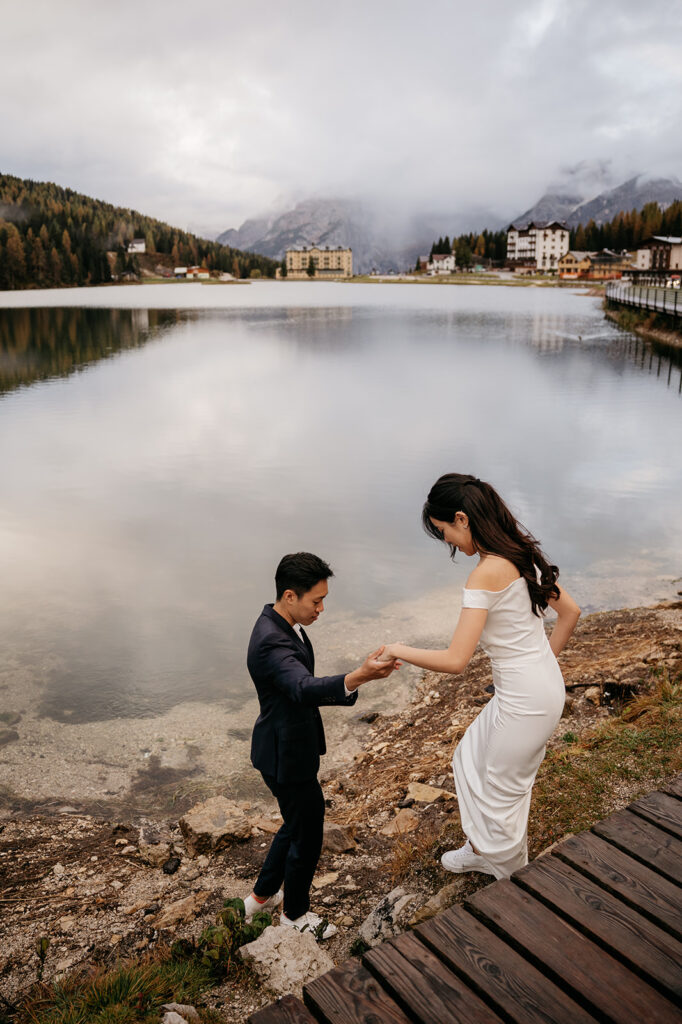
(307, 922)
(251, 905)
(464, 859)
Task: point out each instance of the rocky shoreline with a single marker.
(103, 889)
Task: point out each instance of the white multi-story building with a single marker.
(536, 246)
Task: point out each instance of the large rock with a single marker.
(181, 911)
(406, 820)
(389, 918)
(213, 824)
(423, 794)
(183, 1010)
(440, 901)
(337, 839)
(285, 959)
(267, 824)
(155, 854)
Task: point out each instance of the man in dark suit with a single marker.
(288, 737)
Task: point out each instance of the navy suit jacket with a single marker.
(288, 737)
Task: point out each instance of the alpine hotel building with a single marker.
(537, 246)
(328, 262)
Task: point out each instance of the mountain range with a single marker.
(381, 239)
(391, 241)
(630, 195)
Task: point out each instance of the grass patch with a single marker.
(619, 761)
(415, 856)
(134, 992)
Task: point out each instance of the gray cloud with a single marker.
(205, 116)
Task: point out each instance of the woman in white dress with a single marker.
(502, 607)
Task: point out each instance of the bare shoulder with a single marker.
(493, 573)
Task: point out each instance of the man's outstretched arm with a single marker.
(279, 665)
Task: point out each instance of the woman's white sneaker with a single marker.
(308, 922)
(464, 859)
(251, 905)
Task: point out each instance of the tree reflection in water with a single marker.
(38, 344)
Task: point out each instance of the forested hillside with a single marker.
(53, 237)
(629, 229)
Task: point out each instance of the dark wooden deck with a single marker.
(590, 932)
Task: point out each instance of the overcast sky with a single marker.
(203, 114)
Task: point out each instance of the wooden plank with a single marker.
(644, 947)
(515, 989)
(420, 982)
(674, 788)
(661, 810)
(636, 837)
(592, 976)
(287, 1010)
(650, 893)
(350, 995)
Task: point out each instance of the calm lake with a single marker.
(157, 461)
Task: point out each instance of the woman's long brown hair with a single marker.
(494, 530)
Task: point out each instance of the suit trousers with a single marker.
(295, 850)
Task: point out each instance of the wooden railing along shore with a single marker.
(590, 932)
(642, 296)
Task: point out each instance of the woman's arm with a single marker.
(568, 614)
(457, 656)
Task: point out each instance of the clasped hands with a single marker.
(376, 665)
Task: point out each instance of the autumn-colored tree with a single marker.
(55, 267)
(15, 259)
(39, 271)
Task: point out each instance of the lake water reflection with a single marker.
(155, 464)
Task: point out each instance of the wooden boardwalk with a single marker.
(590, 932)
(656, 299)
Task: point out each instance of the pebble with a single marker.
(172, 865)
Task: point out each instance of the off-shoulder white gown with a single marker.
(498, 757)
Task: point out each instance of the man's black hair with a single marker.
(300, 573)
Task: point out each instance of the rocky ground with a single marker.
(103, 889)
